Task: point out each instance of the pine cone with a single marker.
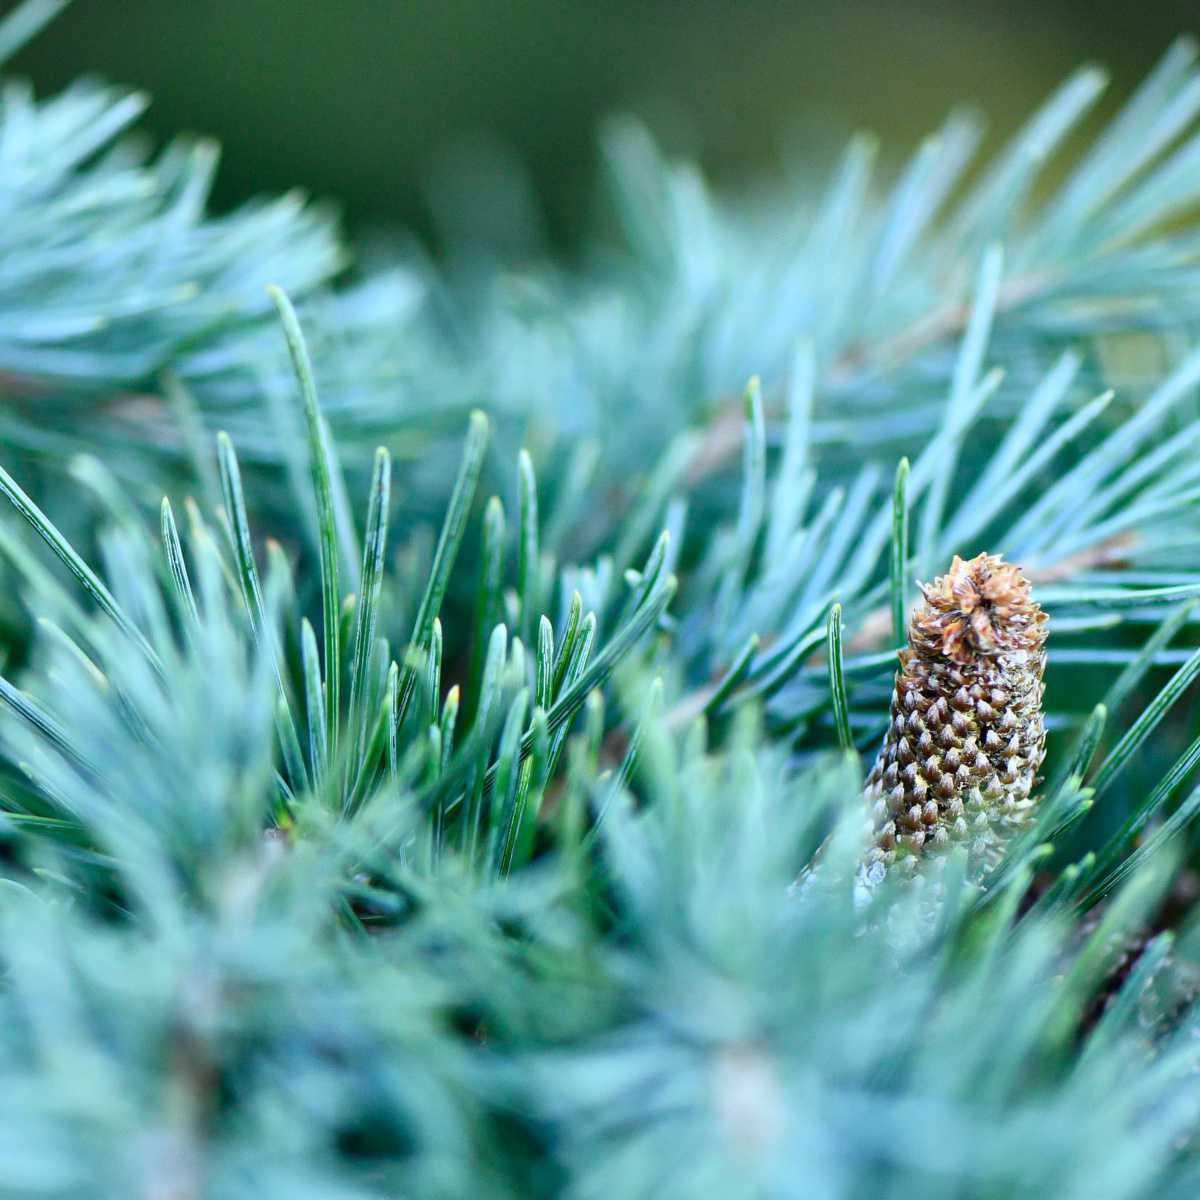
(1168, 997)
(961, 755)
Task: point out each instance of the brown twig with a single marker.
(724, 433)
(875, 628)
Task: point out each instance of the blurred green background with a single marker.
(367, 101)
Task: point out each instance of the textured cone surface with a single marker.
(966, 737)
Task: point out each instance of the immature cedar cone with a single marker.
(961, 755)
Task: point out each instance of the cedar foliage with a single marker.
(424, 820)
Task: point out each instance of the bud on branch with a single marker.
(960, 759)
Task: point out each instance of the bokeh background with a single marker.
(372, 102)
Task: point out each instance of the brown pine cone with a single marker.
(961, 755)
(1169, 995)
